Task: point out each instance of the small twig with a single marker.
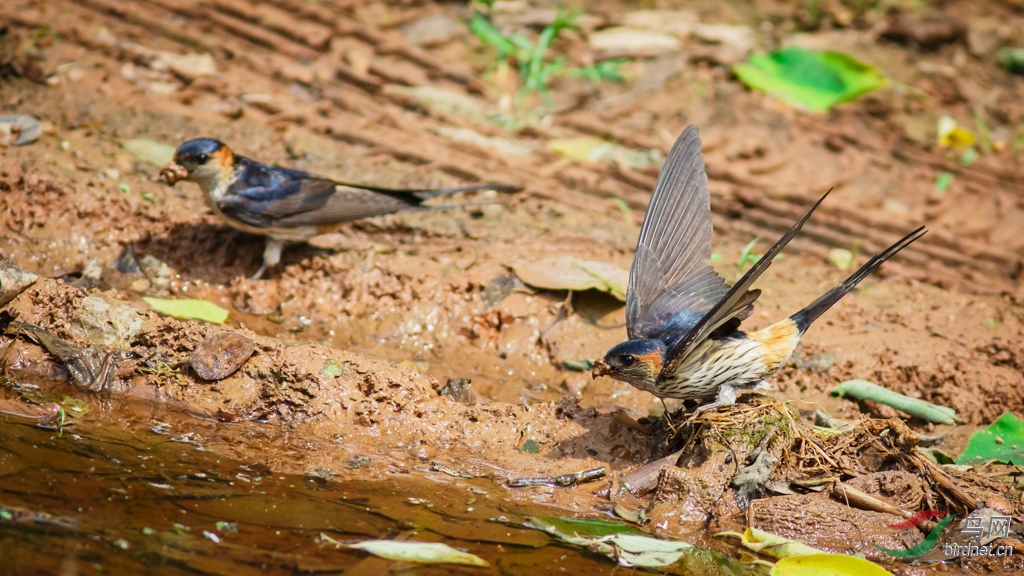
(563, 481)
(854, 497)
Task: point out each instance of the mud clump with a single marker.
(757, 465)
(220, 355)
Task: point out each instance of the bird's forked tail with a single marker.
(436, 192)
(812, 311)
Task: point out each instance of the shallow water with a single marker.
(103, 498)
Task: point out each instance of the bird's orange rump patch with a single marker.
(777, 341)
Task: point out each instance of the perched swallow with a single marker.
(683, 319)
(286, 205)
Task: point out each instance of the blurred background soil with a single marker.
(402, 94)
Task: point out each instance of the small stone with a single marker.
(19, 130)
(982, 41)
(926, 31)
(723, 44)
(678, 22)
(431, 30)
(633, 40)
(358, 461)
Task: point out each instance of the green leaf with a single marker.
(72, 407)
(332, 369)
(578, 365)
(189, 309)
(936, 455)
(809, 78)
(419, 552)
(969, 156)
(864, 390)
(627, 548)
(943, 182)
(746, 256)
(223, 526)
(604, 70)
(585, 527)
(827, 565)
(530, 446)
(483, 29)
(1003, 440)
(523, 44)
(1012, 59)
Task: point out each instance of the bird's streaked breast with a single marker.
(733, 361)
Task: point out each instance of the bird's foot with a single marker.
(697, 413)
(668, 418)
(259, 273)
(271, 256)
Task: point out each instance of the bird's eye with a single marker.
(628, 360)
(203, 158)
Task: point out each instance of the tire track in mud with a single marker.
(267, 46)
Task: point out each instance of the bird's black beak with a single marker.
(601, 368)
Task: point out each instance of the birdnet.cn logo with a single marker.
(973, 528)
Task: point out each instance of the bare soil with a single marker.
(404, 303)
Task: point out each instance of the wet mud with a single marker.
(331, 394)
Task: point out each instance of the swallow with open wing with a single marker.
(683, 319)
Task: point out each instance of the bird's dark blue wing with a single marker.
(268, 196)
(735, 304)
(672, 283)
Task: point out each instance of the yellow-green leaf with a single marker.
(579, 148)
(951, 135)
(772, 545)
(149, 151)
(417, 365)
(332, 369)
(827, 565)
(421, 552)
(593, 149)
(189, 309)
(841, 258)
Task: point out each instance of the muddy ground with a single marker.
(404, 303)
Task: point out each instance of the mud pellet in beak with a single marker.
(173, 173)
